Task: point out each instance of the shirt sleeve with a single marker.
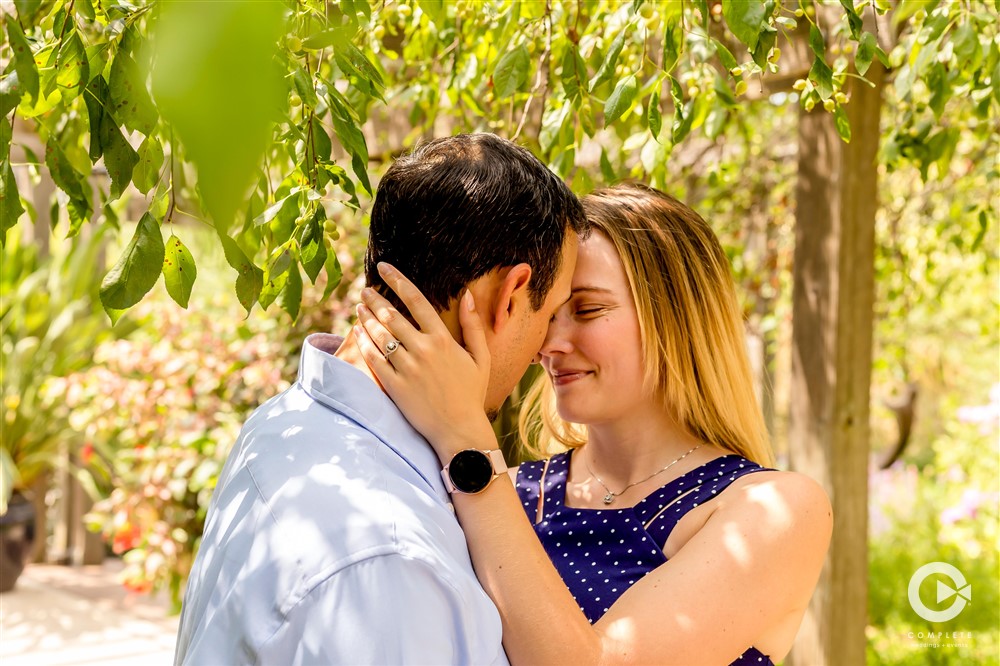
(388, 609)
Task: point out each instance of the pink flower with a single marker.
(987, 416)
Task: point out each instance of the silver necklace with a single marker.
(610, 497)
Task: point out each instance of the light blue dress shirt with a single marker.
(330, 539)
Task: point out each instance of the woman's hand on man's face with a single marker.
(438, 385)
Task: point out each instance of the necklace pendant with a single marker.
(609, 498)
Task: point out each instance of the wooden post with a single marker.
(832, 317)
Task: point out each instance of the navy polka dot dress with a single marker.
(600, 553)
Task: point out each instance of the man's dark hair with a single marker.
(460, 207)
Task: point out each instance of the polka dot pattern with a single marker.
(600, 553)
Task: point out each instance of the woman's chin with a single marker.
(573, 414)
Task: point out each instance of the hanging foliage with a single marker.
(263, 119)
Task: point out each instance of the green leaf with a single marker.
(621, 99)
(683, 118)
(147, 170)
(907, 8)
(607, 69)
(995, 76)
(330, 173)
(249, 278)
(653, 116)
(334, 274)
(967, 48)
(337, 36)
(215, 80)
(137, 269)
(321, 146)
(725, 55)
(289, 204)
(290, 298)
(86, 9)
(179, 271)
(312, 249)
(586, 117)
(672, 46)
(746, 19)
(854, 21)
(27, 10)
(436, 11)
(70, 181)
(119, 156)
(304, 87)
(10, 201)
(275, 276)
(939, 84)
(934, 26)
(511, 72)
(983, 227)
(6, 135)
(10, 93)
(72, 66)
(768, 36)
(706, 16)
(130, 103)
(353, 61)
(95, 97)
(574, 73)
(822, 76)
(816, 42)
(351, 138)
(24, 59)
(866, 52)
(553, 121)
(722, 91)
(843, 124)
(941, 147)
(47, 72)
(715, 121)
(607, 171)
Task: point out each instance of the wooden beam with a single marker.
(832, 317)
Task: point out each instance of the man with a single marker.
(331, 538)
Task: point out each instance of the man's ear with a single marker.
(512, 294)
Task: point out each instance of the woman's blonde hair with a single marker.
(690, 325)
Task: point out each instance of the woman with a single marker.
(661, 522)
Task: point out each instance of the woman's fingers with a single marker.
(372, 354)
(383, 338)
(389, 317)
(472, 330)
(421, 310)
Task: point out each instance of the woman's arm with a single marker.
(753, 563)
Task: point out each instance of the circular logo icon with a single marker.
(959, 589)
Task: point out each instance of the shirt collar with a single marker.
(342, 387)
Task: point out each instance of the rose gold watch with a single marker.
(472, 471)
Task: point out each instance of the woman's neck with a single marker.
(630, 448)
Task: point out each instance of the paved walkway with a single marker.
(65, 616)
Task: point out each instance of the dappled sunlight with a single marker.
(173, 225)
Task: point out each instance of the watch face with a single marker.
(470, 470)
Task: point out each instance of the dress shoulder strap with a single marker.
(541, 485)
(662, 510)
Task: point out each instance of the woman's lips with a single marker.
(564, 377)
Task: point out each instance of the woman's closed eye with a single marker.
(589, 310)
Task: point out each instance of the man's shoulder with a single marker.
(326, 482)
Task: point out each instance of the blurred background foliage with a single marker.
(316, 98)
